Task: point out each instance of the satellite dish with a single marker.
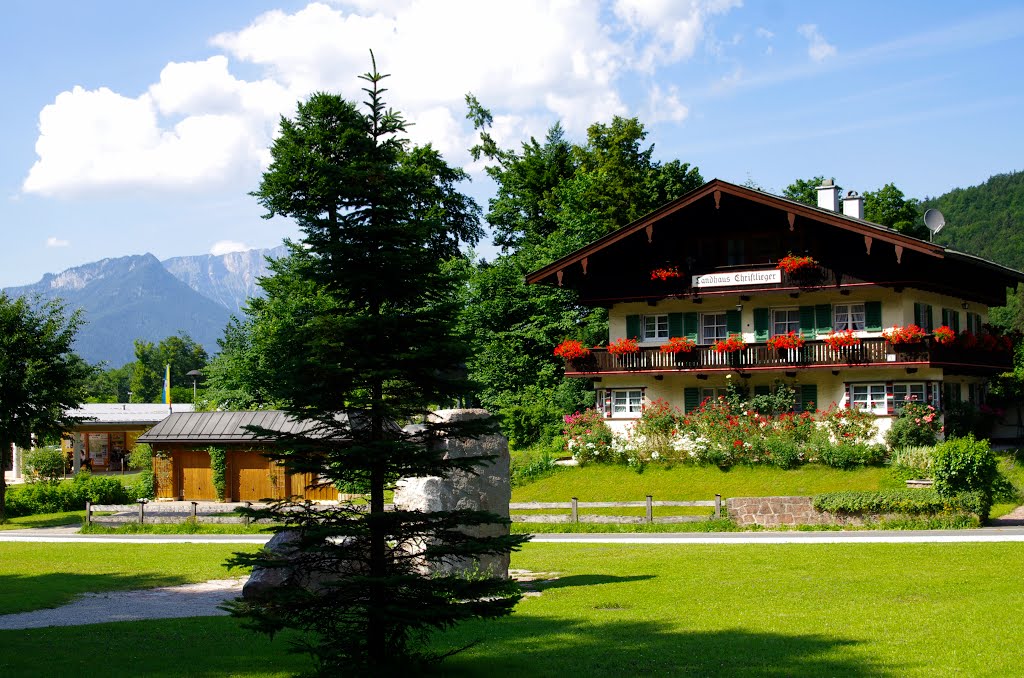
(934, 221)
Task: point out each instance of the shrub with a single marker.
(588, 437)
(910, 502)
(43, 464)
(914, 458)
(33, 498)
(141, 457)
(144, 487)
(918, 424)
(219, 466)
(535, 464)
(965, 465)
(783, 452)
(534, 414)
(849, 424)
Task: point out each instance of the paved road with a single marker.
(1012, 533)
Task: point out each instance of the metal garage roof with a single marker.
(226, 427)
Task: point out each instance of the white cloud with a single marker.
(225, 246)
(818, 49)
(764, 33)
(54, 241)
(199, 126)
(665, 105)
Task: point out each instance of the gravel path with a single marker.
(190, 600)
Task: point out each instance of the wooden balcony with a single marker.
(874, 352)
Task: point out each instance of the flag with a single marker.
(167, 385)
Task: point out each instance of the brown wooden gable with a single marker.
(722, 226)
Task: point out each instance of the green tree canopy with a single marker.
(806, 190)
(41, 378)
(181, 352)
(889, 207)
(357, 332)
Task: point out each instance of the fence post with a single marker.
(575, 510)
(195, 518)
(718, 506)
(142, 511)
(248, 504)
(650, 509)
(88, 512)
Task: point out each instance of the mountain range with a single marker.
(141, 297)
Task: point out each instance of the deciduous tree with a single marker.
(41, 378)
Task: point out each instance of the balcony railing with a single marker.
(815, 353)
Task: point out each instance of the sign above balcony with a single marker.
(734, 278)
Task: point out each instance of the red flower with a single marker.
(665, 273)
(911, 334)
(790, 264)
(731, 345)
(791, 339)
(842, 338)
(570, 349)
(678, 345)
(944, 334)
(623, 346)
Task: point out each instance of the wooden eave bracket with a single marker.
(559, 275)
(650, 233)
(792, 219)
(718, 199)
(867, 243)
(899, 254)
(584, 263)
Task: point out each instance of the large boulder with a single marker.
(486, 490)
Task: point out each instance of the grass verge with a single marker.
(44, 520)
(184, 527)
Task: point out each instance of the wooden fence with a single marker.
(575, 505)
(166, 512)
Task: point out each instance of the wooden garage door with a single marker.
(298, 487)
(250, 477)
(195, 477)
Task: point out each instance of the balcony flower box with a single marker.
(910, 334)
(734, 344)
(683, 348)
(794, 265)
(570, 349)
(841, 339)
(944, 335)
(665, 273)
(624, 346)
(789, 340)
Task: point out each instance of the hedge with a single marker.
(908, 502)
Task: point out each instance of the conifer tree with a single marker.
(357, 332)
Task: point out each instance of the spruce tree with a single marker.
(357, 335)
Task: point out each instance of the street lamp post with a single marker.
(195, 374)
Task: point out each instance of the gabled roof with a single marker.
(226, 427)
(97, 414)
(795, 210)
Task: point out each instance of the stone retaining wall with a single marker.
(785, 511)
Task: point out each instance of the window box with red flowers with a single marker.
(787, 345)
(665, 273)
(844, 342)
(944, 335)
(683, 348)
(578, 355)
(908, 338)
(794, 265)
(733, 347)
(627, 351)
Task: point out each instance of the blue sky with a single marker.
(134, 127)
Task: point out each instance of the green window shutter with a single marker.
(632, 327)
(808, 397)
(691, 398)
(873, 316)
(732, 322)
(823, 317)
(917, 314)
(946, 315)
(807, 322)
(763, 389)
(675, 324)
(954, 323)
(928, 322)
(691, 325)
(762, 324)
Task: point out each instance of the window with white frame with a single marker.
(849, 317)
(712, 327)
(901, 393)
(869, 397)
(655, 327)
(626, 402)
(620, 402)
(785, 320)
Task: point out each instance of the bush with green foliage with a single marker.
(43, 464)
(141, 457)
(536, 463)
(34, 498)
(219, 466)
(145, 486)
(846, 456)
(966, 466)
(918, 424)
(534, 414)
(909, 502)
(588, 438)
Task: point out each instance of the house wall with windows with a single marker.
(709, 266)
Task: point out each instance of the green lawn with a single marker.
(44, 520)
(38, 575)
(633, 610)
(681, 483)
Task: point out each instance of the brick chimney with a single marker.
(853, 205)
(828, 196)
